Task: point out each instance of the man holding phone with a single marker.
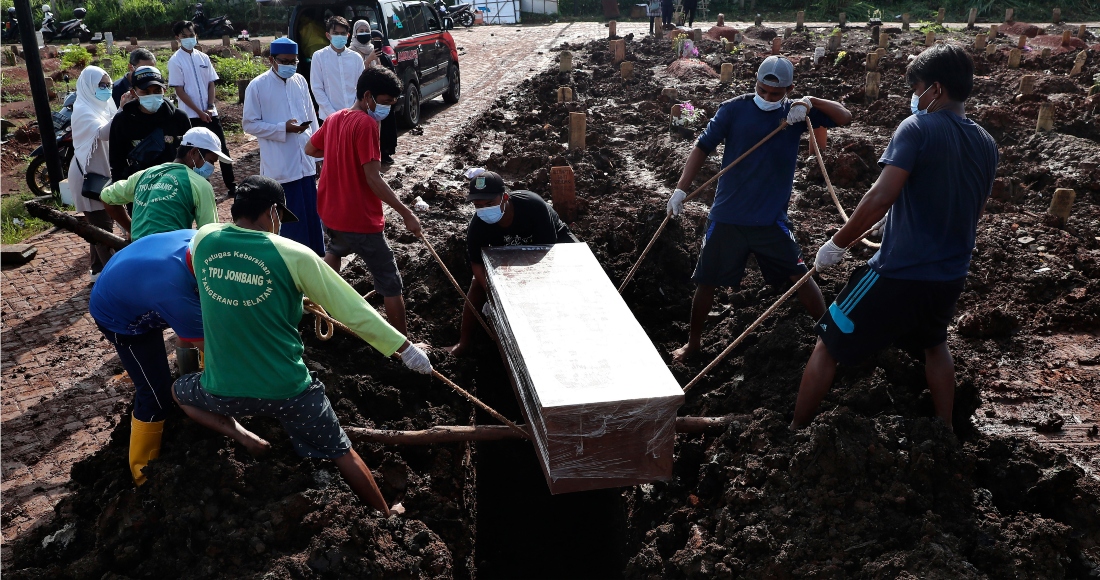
(278, 111)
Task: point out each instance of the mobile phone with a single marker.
(306, 124)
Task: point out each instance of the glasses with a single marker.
(104, 85)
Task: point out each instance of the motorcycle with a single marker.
(460, 13)
(211, 28)
(11, 26)
(52, 30)
(38, 178)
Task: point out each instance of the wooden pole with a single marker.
(81, 228)
(257, 50)
(777, 45)
(992, 31)
(1027, 84)
(872, 61)
(1010, 15)
(576, 131)
(843, 19)
(1014, 58)
(871, 90)
(465, 299)
(626, 69)
(727, 72)
(1067, 35)
(1045, 121)
(566, 61)
(1022, 42)
(883, 40)
(939, 16)
(611, 29)
(979, 42)
(721, 21)
(673, 114)
(669, 93)
(905, 21)
(1081, 31)
(1061, 204)
(972, 18)
(242, 86)
(697, 35)
(133, 41)
(929, 38)
(563, 192)
(618, 51)
(225, 41)
(1056, 16)
(1079, 63)
(990, 49)
(1046, 53)
(565, 94)
(800, 20)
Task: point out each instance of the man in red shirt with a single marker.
(351, 190)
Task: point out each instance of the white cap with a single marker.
(204, 138)
(779, 69)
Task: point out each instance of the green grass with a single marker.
(15, 224)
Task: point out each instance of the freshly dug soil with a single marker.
(873, 488)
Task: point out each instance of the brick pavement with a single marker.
(62, 389)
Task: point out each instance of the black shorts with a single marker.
(874, 312)
(726, 250)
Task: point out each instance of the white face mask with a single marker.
(914, 103)
(491, 214)
(767, 105)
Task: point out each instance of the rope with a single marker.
(763, 316)
(828, 182)
(649, 246)
(320, 313)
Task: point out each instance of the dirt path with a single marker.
(64, 389)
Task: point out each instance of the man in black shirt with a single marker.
(518, 218)
(148, 129)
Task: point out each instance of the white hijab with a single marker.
(89, 114)
(363, 49)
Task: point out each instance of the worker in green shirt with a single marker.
(251, 284)
(170, 196)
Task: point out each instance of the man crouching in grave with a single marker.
(501, 218)
(251, 284)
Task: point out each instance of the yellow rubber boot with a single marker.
(144, 445)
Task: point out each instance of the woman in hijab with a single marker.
(361, 42)
(91, 124)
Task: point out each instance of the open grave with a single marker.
(874, 488)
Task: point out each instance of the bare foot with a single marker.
(460, 349)
(684, 352)
(397, 509)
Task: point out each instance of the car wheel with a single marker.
(454, 85)
(410, 113)
(466, 19)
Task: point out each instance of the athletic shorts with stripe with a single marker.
(873, 312)
(726, 249)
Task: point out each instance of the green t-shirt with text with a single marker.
(251, 285)
(166, 198)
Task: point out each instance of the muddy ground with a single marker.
(873, 488)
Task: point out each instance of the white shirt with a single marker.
(192, 74)
(268, 104)
(332, 76)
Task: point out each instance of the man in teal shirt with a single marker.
(170, 196)
(251, 284)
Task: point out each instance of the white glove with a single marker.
(876, 230)
(416, 360)
(829, 255)
(676, 202)
(798, 112)
(486, 309)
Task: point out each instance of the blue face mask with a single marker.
(151, 103)
(286, 70)
(339, 41)
(205, 170)
(914, 103)
(103, 94)
(380, 111)
(189, 43)
(491, 214)
(766, 105)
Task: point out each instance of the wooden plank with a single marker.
(599, 399)
(17, 254)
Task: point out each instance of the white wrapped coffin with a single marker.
(600, 400)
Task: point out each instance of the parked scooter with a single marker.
(212, 28)
(52, 30)
(460, 13)
(11, 26)
(38, 178)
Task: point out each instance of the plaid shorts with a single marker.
(307, 417)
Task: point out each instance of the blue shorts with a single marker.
(307, 417)
(726, 249)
